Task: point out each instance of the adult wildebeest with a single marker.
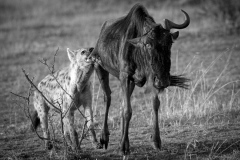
(134, 48)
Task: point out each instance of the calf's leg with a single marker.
(69, 121)
(42, 111)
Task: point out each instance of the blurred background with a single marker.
(207, 52)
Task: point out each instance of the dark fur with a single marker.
(137, 17)
(118, 55)
(35, 121)
(114, 46)
(134, 48)
(179, 81)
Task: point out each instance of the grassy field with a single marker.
(199, 123)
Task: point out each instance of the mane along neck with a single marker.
(134, 20)
(135, 24)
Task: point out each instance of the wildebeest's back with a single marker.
(108, 55)
(112, 46)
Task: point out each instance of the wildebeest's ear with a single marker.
(175, 35)
(137, 42)
(71, 55)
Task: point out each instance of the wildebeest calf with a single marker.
(68, 89)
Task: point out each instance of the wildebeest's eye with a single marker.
(148, 46)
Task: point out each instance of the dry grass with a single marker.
(207, 112)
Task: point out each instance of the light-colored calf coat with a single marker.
(67, 89)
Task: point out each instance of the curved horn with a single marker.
(169, 24)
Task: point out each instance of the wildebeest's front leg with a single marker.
(87, 104)
(156, 141)
(127, 112)
(104, 80)
(131, 88)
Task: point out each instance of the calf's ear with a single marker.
(71, 55)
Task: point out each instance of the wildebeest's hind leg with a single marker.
(104, 80)
(156, 141)
(87, 105)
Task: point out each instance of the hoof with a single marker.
(104, 140)
(124, 152)
(125, 157)
(98, 145)
(104, 143)
(155, 142)
(48, 146)
(156, 146)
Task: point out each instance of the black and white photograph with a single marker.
(119, 80)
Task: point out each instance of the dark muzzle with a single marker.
(161, 83)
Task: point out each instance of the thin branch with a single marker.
(83, 134)
(51, 69)
(25, 98)
(27, 112)
(30, 81)
(56, 104)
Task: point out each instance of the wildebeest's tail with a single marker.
(35, 121)
(179, 81)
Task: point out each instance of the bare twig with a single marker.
(27, 112)
(51, 69)
(83, 134)
(56, 104)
